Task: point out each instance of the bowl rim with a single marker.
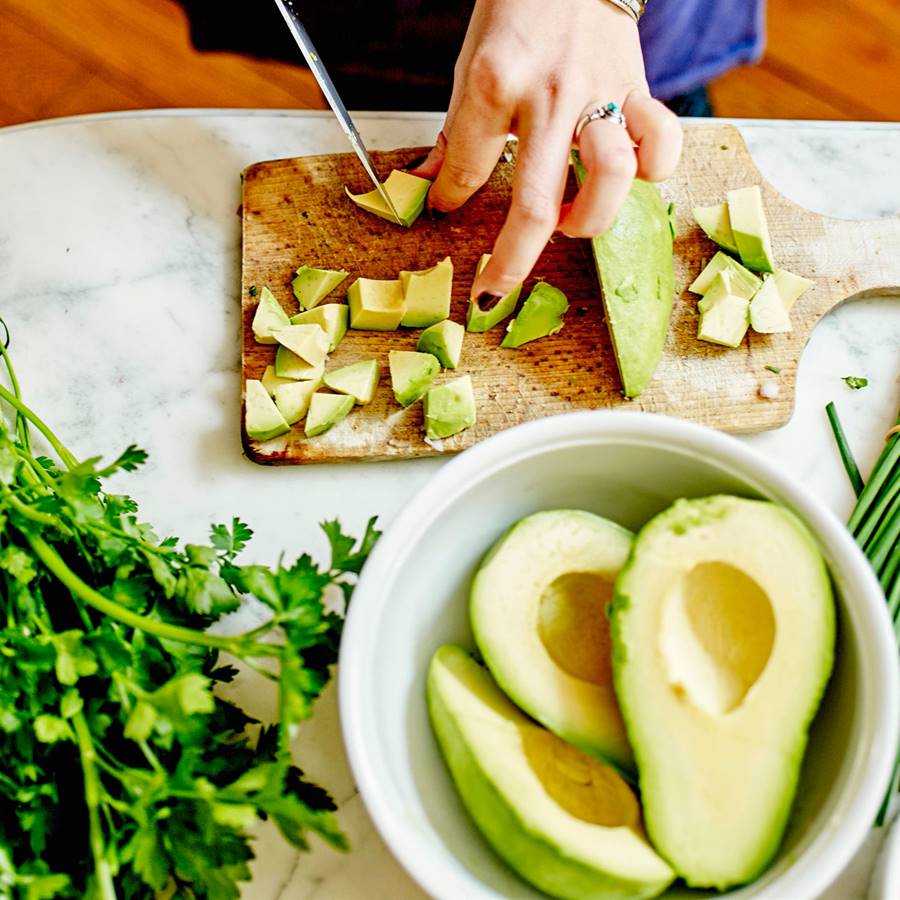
(812, 872)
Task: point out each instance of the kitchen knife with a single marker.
(331, 95)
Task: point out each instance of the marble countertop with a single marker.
(120, 254)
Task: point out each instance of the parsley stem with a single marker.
(41, 426)
(93, 794)
(21, 421)
(27, 512)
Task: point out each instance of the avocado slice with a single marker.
(743, 282)
(269, 317)
(537, 611)
(716, 222)
(751, 231)
(313, 285)
(767, 312)
(449, 408)
(262, 420)
(309, 342)
(271, 380)
(407, 193)
(332, 318)
(376, 305)
(325, 411)
(724, 316)
(723, 629)
(359, 380)
(479, 319)
(637, 279)
(411, 374)
(289, 365)
(444, 341)
(563, 821)
(790, 287)
(540, 316)
(293, 399)
(426, 294)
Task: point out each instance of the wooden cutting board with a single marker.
(295, 212)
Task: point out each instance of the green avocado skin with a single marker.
(637, 277)
(537, 860)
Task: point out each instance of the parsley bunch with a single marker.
(122, 773)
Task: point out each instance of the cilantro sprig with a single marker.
(124, 771)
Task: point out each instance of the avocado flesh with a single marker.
(358, 380)
(262, 420)
(537, 612)
(723, 630)
(407, 193)
(375, 304)
(426, 295)
(790, 287)
(479, 320)
(449, 408)
(744, 283)
(309, 342)
(293, 399)
(540, 316)
(724, 316)
(716, 223)
(289, 365)
(751, 231)
(564, 822)
(325, 411)
(271, 380)
(444, 341)
(411, 374)
(311, 286)
(269, 317)
(637, 279)
(767, 312)
(332, 318)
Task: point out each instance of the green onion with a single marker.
(875, 524)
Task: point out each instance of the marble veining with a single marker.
(120, 254)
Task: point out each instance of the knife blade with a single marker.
(314, 61)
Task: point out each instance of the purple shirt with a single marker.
(689, 42)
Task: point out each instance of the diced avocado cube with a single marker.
(325, 411)
(767, 312)
(375, 305)
(311, 286)
(744, 283)
(722, 286)
(426, 294)
(293, 399)
(444, 341)
(269, 317)
(407, 193)
(289, 365)
(790, 287)
(262, 420)
(716, 222)
(411, 374)
(449, 408)
(479, 319)
(359, 380)
(751, 232)
(724, 316)
(541, 315)
(309, 342)
(271, 380)
(331, 317)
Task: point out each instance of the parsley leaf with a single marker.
(854, 382)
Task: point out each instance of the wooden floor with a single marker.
(826, 59)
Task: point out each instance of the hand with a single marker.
(534, 68)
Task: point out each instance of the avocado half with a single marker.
(537, 607)
(723, 630)
(563, 821)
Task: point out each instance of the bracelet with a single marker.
(634, 7)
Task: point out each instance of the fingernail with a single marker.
(487, 300)
(414, 164)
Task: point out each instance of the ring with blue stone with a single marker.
(611, 111)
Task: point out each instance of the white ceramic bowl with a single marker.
(412, 598)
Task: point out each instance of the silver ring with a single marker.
(611, 111)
